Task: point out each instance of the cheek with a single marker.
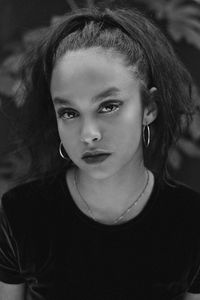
(129, 127)
(61, 130)
(128, 137)
(67, 137)
(127, 140)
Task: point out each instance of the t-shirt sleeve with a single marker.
(9, 263)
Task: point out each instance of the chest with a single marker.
(153, 259)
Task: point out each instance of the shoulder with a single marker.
(28, 193)
(180, 194)
(31, 201)
(180, 205)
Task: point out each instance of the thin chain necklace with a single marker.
(125, 212)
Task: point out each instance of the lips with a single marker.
(94, 153)
(98, 158)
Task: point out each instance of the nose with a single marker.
(90, 132)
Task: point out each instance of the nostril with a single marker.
(91, 139)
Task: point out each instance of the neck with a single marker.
(114, 192)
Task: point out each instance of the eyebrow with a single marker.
(108, 92)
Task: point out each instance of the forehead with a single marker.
(85, 69)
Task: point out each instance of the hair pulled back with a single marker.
(124, 31)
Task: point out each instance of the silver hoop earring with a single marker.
(146, 133)
(60, 151)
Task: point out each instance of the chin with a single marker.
(96, 173)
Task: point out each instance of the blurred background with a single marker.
(21, 21)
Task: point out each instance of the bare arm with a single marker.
(12, 291)
(190, 296)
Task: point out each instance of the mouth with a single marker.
(95, 159)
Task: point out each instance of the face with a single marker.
(90, 118)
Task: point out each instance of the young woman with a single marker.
(105, 96)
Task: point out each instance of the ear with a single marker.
(151, 110)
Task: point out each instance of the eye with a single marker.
(106, 107)
(68, 114)
(109, 107)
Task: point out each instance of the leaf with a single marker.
(196, 95)
(32, 36)
(13, 165)
(11, 64)
(5, 185)
(183, 19)
(72, 4)
(175, 30)
(155, 5)
(7, 84)
(195, 127)
(56, 19)
(192, 37)
(181, 15)
(183, 25)
(179, 31)
(189, 148)
(192, 23)
(90, 3)
(175, 158)
(189, 10)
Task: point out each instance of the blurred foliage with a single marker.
(183, 19)
(189, 144)
(183, 22)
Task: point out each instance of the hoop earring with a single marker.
(148, 134)
(60, 151)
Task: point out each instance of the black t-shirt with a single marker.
(60, 253)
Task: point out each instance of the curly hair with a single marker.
(142, 44)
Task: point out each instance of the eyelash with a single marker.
(62, 111)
